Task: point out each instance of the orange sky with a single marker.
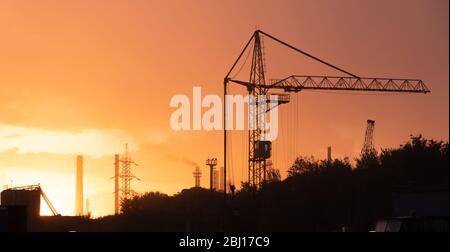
(87, 76)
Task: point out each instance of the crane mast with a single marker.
(256, 171)
(259, 87)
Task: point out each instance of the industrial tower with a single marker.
(329, 158)
(116, 184)
(79, 187)
(368, 146)
(216, 180)
(221, 179)
(197, 175)
(257, 85)
(212, 164)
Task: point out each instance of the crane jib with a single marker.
(296, 83)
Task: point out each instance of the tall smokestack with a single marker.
(329, 153)
(116, 184)
(87, 210)
(79, 187)
(216, 180)
(221, 180)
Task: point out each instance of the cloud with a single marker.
(164, 151)
(93, 142)
(12, 136)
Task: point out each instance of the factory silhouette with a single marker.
(318, 195)
(400, 189)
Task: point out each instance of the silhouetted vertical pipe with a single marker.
(220, 177)
(329, 154)
(116, 184)
(87, 210)
(225, 135)
(79, 187)
(211, 170)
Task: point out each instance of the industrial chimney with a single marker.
(116, 184)
(221, 179)
(88, 209)
(329, 154)
(79, 187)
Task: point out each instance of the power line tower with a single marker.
(126, 176)
(258, 87)
(197, 175)
(368, 146)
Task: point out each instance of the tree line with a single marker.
(317, 195)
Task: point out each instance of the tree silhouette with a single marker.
(273, 175)
(303, 165)
(368, 160)
(317, 195)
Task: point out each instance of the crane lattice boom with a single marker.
(296, 83)
(257, 85)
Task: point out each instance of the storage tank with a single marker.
(28, 197)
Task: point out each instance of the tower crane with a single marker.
(259, 86)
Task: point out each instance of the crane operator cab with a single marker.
(263, 149)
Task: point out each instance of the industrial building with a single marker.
(21, 206)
